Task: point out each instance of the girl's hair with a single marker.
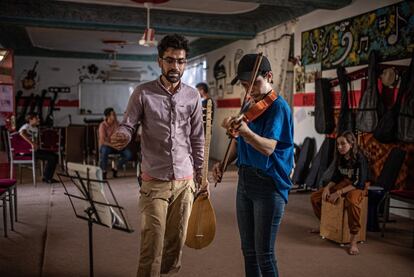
(353, 152)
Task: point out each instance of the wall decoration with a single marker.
(220, 75)
(31, 78)
(237, 57)
(299, 72)
(229, 88)
(6, 98)
(348, 42)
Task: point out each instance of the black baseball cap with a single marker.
(245, 67)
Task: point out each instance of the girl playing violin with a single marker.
(264, 148)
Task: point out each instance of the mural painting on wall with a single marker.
(349, 42)
(220, 75)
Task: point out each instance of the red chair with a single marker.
(3, 196)
(10, 186)
(21, 152)
(50, 140)
(406, 196)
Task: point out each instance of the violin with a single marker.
(254, 111)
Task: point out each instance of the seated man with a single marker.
(30, 133)
(106, 129)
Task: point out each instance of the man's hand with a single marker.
(119, 140)
(217, 172)
(204, 190)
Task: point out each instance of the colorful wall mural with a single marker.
(348, 42)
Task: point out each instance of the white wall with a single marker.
(219, 140)
(274, 54)
(65, 72)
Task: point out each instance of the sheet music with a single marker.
(107, 215)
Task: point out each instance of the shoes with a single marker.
(114, 173)
(50, 181)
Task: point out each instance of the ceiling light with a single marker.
(148, 38)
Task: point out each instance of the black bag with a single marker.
(370, 107)
(367, 114)
(406, 115)
(346, 120)
(387, 128)
(324, 113)
(391, 169)
(320, 163)
(305, 157)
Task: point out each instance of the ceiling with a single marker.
(77, 28)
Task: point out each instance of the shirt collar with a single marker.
(166, 90)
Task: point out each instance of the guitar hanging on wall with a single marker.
(29, 82)
(202, 223)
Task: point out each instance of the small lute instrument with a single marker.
(202, 223)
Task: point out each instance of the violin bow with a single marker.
(257, 63)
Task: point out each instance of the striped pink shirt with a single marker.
(172, 140)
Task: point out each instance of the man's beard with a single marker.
(173, 76)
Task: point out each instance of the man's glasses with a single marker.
(170, 60)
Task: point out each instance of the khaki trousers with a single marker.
(165, 209)
(353, 201)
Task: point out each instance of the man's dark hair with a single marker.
(203, 86)
(30, 116)
(108, 111)
(173, 41)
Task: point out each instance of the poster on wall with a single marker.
(6, 98)
(348, 42)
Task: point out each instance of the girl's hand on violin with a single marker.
(217, 172)
(228, 122)
(243, 129)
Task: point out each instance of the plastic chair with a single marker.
(21, 152)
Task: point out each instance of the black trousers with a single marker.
(51, 159)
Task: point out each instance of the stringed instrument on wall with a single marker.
(202, 223)
(29, 81)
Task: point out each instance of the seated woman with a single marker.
(106, 129)
(348, 180)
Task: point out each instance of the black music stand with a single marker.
(85, 187)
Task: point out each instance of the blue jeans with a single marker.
(259, 212)
(105, 150)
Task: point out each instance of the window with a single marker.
(195, 72)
